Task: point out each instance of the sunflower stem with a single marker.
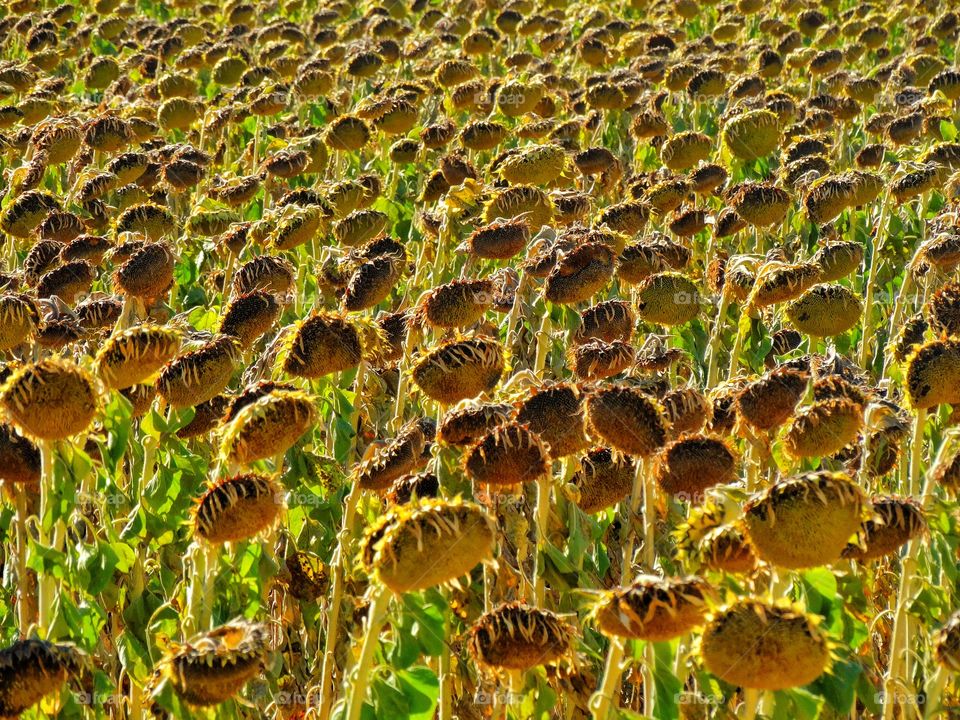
(47, 583)
(608, 695)
(336, 599)
(742, 326)
(376, 614)
(445, 678)
(26, 599)
(543, 515)
(649, 518)
(713, 348)
(897, 677)
(751, 700)
(876, 246)
(355, 413)
(934, 690)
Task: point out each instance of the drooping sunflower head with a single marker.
(806, 520)
(653, 608)
(628, 419)
(213, 667)
(51, 399)
(198, 375)
(460, 369)
(31, 669)
(894, 522)
(237, 508)
(133, 355)
(515, 636)
(765, 646)
(268, 427)
(510, 454)
(428, 543)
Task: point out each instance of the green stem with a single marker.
(355, 415)
(446, 683)
(713, 349)
(376, 614)
(934, 691)
(742, 326)
(627, 513)
(543, 342)
(866, 324)
(649, 518)
(26, 599)
(751, 699)
(47, 582)
(336, 599)
(607, 696)
(897, 666)
(543, 515)
(649, 686)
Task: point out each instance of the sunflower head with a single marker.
(806, 520)
(514, 636)
(213, 667)
(428, 543)
(237, 508)
(51, 399)
(765, 646)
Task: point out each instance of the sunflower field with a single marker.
(479, 359)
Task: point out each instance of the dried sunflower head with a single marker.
(51, 399)
(514, 636)
(653, 608)
(765, 646)
(237, 508)
(460, 369)
(428, 543)
(31, 669)
(198, 375)
(214, 666)
(806, 520)
(268, 426)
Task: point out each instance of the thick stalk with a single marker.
(543, 342)
(866, 323)
(26, 598)
(896, 679)
(602, 702)
(376, 614)
(608, 695)
(355, 415)
(336, 599)
(446, 681)
(751, 699)
(543, 515)
(934, 691)
(713, 350)
(649, 518)
(47, 583)
(627, 514)
(742, 326)
(196, 589)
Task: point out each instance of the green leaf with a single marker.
(388, 701)
(668, 686)
(948, 130)
(134, 657)
(821, 581)
(839, 685)
(428, 628)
